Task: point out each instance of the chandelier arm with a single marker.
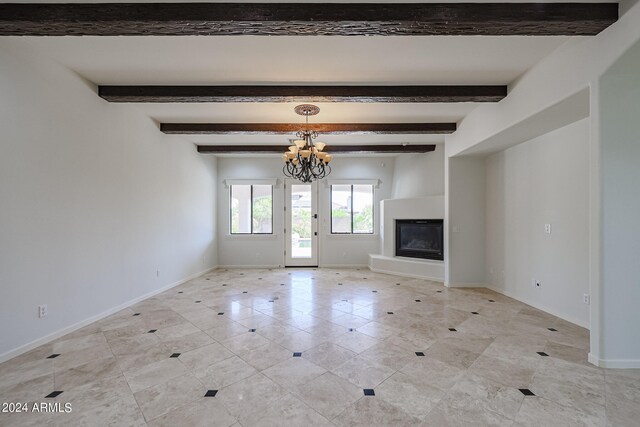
(309, 168)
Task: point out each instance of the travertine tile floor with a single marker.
(304, 347)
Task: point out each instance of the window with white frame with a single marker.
(352, 209)
(251, 209)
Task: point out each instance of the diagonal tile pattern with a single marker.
(295, 347)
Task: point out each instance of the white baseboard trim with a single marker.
(614, 363)
(402, 274)
(234, 267)
(344, 266)
(465, 285)
(67, 330)
(541, 307)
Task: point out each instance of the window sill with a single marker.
(353, 236)
(251, 236)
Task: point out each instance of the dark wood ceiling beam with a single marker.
(286, 19)
(424, 93)
(292, 128)
(385, 148)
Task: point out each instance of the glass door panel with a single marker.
(301, 224)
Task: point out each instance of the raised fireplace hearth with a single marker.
(420, 238)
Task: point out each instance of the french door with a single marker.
(301, 224)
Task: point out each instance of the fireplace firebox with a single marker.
(420, 238)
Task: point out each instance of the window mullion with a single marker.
(251, 203)
(351, 208)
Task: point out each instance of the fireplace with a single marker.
(420, 238)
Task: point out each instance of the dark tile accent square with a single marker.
(281, 284)
(136, 314)
(297, 354)
(375, 291)
(453, 329)
(220, 314)
(53, 356)
(211, 393)
(152, 331)
(418, 300)
(542, 353)
(244, 292)
(207, 279)
(174, 355)
(53, 394)
(389, 312)
(439, 292)
(368, 392)
(339, 284)
(252, 330)
(364, 278)
(397, 284)
(198, 301)
(474, 312)
(526, 392)
(224, 284)
(491, 300)
(242, 274)
(553, 329)
(259, 278)
(419, 353)
(179, 292)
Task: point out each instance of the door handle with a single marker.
(315, 233)
(315, 216)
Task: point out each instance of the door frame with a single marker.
(315, 244)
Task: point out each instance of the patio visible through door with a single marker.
(301, 224)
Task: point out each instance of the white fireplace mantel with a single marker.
(431, 207)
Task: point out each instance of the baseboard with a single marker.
(344, 266)
(402, 274)
(563, 316)
(233, 267)
(614, 363)
(55, 335)
(465, 285)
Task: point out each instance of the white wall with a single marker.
(269, 250)
(94, 201)
(542, 181)
(419, 175)
(619, 146)
(465, 221)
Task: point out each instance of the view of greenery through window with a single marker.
(251, 209)
(352, 209)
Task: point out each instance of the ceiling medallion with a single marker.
(306, 161)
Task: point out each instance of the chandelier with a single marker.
(305, 160)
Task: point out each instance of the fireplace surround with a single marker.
(420, 238)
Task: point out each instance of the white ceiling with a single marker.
(298, 60)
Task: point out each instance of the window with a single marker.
(352, 209)
(251, 209)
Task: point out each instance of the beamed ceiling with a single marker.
(393, 77)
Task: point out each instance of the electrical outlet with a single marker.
(547, 228)
(42, 310)
(586, 298)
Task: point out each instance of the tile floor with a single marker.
(321, 347)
